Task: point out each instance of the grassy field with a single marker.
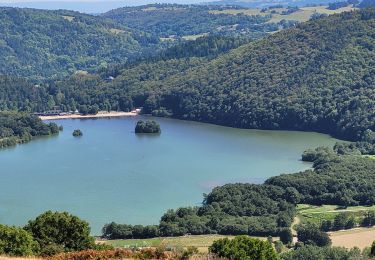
(193, 37)
(316, 214)
(301, 15)
(202, 242)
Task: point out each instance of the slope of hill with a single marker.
(48, 44)
(171, 22)
(318, 76)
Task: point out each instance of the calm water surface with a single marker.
(111, 174)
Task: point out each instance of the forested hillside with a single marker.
(172, 21)
(318, 76)
(43, 44)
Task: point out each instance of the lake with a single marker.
(112, 174)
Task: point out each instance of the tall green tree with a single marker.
(61, 229)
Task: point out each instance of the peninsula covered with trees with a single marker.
(16, 128)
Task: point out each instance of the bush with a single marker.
(243, 247)
(286, 236)
(77, 133)
(147, 127)
(320, 253)
(61, 229)
(16, 242)
(372, 252)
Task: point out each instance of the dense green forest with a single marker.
(18, 128)
(44, 44)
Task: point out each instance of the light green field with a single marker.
(202, 242)
(304, 14)
(69, 18)
(369, 156)
(315, 214)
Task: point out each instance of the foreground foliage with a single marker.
(242, 248)
(56, 232)
(323, 253)
(16, 241)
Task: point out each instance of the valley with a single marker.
(188, 132)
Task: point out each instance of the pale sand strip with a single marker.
(98, 115)
(359, 237)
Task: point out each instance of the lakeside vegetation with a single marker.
(16, 128)
(266, 209)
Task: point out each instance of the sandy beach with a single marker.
(98, 115)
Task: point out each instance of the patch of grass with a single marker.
(315, 214)
(250, 11)
(116, 31)
(69, 18)
(194, 37)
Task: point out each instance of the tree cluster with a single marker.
(18, 128)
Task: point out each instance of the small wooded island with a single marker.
(77, 133)
(147, 127)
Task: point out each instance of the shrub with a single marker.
(147, 127)
(310, 234)
(286, 236)
(243, 247)
(16, 242)
(77, 133)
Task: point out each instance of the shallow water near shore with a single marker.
(111, 174)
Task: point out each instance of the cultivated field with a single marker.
(359, 237)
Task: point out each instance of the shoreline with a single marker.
(98, 115)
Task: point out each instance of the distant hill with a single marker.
(173, 21)
(43, 44)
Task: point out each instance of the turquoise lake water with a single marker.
(111, 174)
